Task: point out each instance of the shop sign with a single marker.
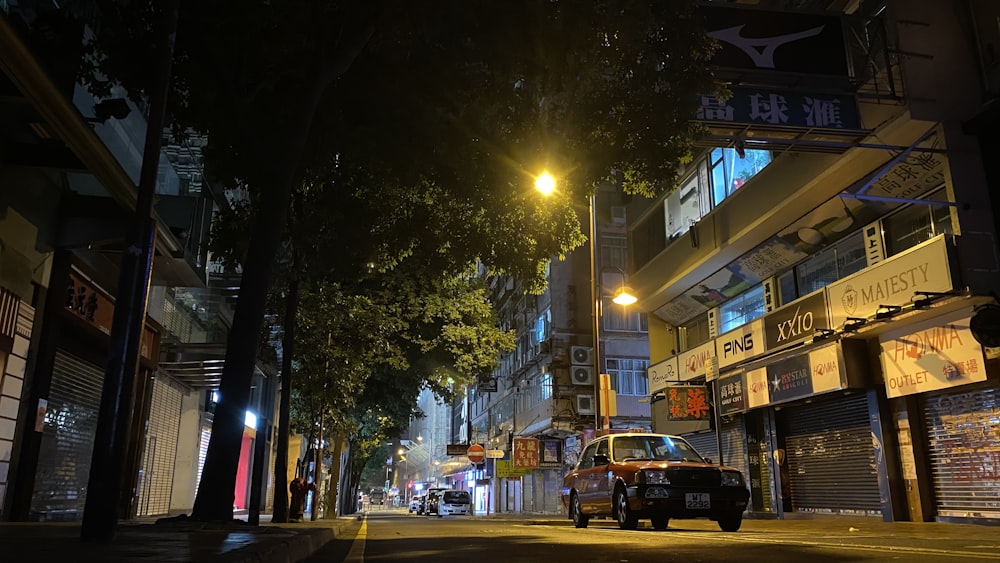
(826, 368)
(525, 454)
(796, 321)
(662, 374)
(694, 362)
(777, 41)
(505, 469)
(687, 403)
(892, 282)
(732, 393)
(756, 388)
(550, 453)
(758, 106)
(740, 344)
(89, 303)
(789, 379)
(935, 358)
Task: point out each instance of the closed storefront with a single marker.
(67, 439)
(160, 448)
(734, 443)
(830, 458)
(964, 451)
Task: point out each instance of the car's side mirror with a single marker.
(708, 460)
(601, 459)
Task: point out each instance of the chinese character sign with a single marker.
(525, 455)
(790, 109)
(687, 403)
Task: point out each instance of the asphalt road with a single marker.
(390, 537)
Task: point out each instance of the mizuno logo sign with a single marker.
(760, 49)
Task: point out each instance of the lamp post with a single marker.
(595, 301)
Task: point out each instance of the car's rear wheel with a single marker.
(660, 522)
(580, 520)
(627, 520)
(731, 522)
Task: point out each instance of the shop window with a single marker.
(914, 224)
(730, 171)
(829, 265)
(741, 309)
(628, 376)
(787, 292)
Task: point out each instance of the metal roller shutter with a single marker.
(964, 450)
(206, 436)
(734, 444)
(705, 443)
(67, 444)
(157, 475)
(831, 460)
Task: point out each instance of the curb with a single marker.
(291, 549)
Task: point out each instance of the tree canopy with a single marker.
(427, 123)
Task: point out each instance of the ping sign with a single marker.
(476, 453)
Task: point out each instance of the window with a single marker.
(787, 292)
(913, 225)
(741, 309)
(830, 265)
(618, 215)
(684, 206)
(621, 317)
(697, 331)
(730, 171)
(628, 376)
(613, 252)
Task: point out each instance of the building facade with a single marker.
(830, 285)
(537, 410)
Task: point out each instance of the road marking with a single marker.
(357, 552)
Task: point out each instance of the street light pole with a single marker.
(596, 314)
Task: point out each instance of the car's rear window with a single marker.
(456, 497)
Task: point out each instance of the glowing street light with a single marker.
(545, 183)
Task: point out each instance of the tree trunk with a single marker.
(336, 477)
(273, 177)
(218, 479)
(280, 514)
(318, 474)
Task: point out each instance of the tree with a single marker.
(445, 109)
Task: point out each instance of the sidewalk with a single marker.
(169, 542)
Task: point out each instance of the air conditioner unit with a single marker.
(582, 355)
(584, 404)
(583, 375)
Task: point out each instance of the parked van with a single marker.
(453, 501)
(431, 500)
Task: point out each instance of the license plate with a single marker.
(697, 501)
(656, 492)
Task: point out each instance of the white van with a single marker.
(454, 501)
